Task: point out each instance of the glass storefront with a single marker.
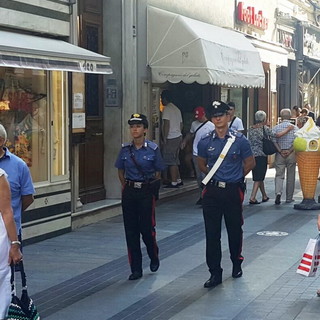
(34, 112)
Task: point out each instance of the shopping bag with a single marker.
(21, 308)
(310, 260)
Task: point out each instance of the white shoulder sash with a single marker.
(217, 164)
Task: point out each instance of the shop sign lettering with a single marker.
(184, 75)
(88, 66)
(249, 16)
(286, 39)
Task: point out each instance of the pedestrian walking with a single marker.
(139, 166)
(285, 159)
(199, 128)
(310, 112)
(235, 122)
(295, 112)
(20, 180)
(9, 244)
(171, 139)
(303, 118)
(255, 136)
(223, 195)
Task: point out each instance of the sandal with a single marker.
(254, 202)
(266, 199)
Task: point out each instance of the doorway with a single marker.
(91, 182)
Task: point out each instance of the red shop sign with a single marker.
(249, 16)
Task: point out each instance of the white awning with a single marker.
(32, 52)
(188, 50)
(271, 53)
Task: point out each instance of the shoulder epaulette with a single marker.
(126, 144)
(236, 133)
(207, 135)
(152, 145)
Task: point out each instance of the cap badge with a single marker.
(216, 104)
(136, 115)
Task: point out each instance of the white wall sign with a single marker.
(78, 101)
(78, 120)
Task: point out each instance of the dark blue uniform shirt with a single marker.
(231, 169)
(148, 158)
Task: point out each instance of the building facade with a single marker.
(68, 124)
(43, 101)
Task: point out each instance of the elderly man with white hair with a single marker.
(255, 136)
(285, 160)
(19, 178)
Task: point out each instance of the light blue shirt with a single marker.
(20, 181)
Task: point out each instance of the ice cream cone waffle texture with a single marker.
(308, 166)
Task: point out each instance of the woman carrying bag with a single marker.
(9, 244)
(255, 137)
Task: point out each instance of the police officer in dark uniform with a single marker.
(223, 195)
(139, 163)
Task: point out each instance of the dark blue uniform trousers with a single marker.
(217, 203)
(138, 206)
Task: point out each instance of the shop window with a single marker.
(235, 96)
(59, 120)
(26, 113)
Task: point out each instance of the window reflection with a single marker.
(58, 126)
(23, 112)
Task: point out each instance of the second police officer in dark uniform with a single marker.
(223, 195)
(139, 162)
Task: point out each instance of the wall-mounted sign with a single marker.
(251, 16)
(112, 93)
(78, 101)
(78, 120)
(286, 39)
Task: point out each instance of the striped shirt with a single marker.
(286, 141)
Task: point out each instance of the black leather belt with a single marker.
(222, 184)
(136, 184)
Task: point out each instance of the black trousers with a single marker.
(218, 203)
(138, 206)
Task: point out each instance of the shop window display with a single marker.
(25, 113)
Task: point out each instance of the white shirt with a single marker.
(203, 131)
(237, 124)
(5, 271)
(195, 125)
(173, 114)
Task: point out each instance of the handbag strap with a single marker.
(23, 277)
(136, 164)
(200, 127)
(264, 132)
(217, 164)
(231, 123)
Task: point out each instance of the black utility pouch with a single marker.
(154, 187)
(243, 186)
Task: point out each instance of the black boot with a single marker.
(214, 280)
(236, 270)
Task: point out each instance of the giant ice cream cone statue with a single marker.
(307, 148)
